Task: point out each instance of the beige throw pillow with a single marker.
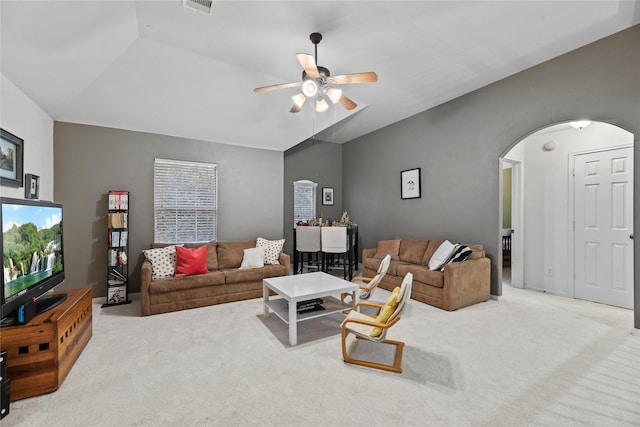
(163, 261)
(253, 258)
(272, 249)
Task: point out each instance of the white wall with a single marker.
(547, 217)
(23, 118)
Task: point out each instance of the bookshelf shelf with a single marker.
(117, 248)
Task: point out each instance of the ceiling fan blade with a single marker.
(274, 87)
(309, 65)
(368, 77)
(347, 103)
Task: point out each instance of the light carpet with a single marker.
(529, 359)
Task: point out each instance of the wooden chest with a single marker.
(41, 353)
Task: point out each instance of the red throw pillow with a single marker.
(190, 261)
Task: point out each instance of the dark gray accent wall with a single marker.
(458, 145)
(90, 160)
(317, 161)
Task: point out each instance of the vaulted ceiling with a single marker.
(156, 66)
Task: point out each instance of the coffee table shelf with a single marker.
(302, 287)
(280, 307)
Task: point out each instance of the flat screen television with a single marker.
(32, 256)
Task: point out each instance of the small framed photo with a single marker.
(410, 184)
(327, 196)
(10, 159)
(31, 186)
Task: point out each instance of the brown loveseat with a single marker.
(224, 282)
(460, 284)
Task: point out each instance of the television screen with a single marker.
(32, 255)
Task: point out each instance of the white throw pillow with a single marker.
(441, 255)
(163, 261)
(253, 258)
(272, 249)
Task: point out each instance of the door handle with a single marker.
(631, 236)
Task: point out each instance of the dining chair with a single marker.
(307, 242)
(334, 241)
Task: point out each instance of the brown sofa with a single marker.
(460, 284)
(225, 281)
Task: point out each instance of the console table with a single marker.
(41, 353)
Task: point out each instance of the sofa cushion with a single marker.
(388, 247)
(432, 247)
(163, 261)
(422, 274)
(190, 261)
(272, 249)
(171, 284)
(212, 255)
(442, 255)
(412, 250)
(236, 275)
(253, 258)
(230, 253)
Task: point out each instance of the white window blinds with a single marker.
(185, 201)
(304, 201)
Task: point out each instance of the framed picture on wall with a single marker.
(410, 184)
(327, 196)
(10, 159)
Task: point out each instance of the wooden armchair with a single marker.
(369, 283)
(374, 328)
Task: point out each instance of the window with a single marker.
(185, 201)
(304, 201)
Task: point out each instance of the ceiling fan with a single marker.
(318, 83)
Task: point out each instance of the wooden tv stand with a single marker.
(41, 353)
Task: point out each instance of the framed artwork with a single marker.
(31, 186)
(327, 196)
(10, 159)
(410, 184)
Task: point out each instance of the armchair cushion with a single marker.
(386, 311)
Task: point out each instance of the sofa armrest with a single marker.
(145, 282)
(466, 283)
(368, 253)
(286, 261)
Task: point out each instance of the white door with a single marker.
(603, 214)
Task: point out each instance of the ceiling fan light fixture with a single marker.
(334, 95)
(579, 124)
(321, 105)
(309, 88)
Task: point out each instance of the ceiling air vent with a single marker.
(203, 6)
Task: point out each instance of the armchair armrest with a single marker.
(369, 321)
(362, 279)
(466, 283)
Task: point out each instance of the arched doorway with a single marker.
(551, 259)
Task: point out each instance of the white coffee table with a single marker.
(301, 287)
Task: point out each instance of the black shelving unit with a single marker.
(117, 248)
